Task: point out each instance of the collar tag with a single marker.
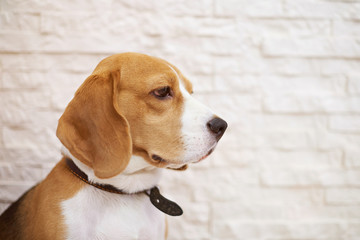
(165, 205)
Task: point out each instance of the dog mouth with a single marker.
(206, 155)
(160, 160)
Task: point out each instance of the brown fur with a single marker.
(37, 214)
(93, 130)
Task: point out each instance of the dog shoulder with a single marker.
(12, 219)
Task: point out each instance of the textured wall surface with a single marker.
(285, 74)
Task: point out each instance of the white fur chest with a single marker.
(95, 214)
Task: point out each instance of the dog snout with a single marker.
(217, 126)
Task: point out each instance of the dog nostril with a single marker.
(217, 126)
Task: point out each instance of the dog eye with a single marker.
(162, 93)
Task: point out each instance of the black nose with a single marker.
(217, 126)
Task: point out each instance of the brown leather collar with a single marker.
(81, 175)
(160, 202)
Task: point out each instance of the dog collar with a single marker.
(160, 202)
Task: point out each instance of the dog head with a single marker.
(134, 104)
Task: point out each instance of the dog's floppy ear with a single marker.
(93, 129)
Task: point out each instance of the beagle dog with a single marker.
(133, 117)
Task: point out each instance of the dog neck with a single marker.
(138, 175)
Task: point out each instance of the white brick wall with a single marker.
(285, 74)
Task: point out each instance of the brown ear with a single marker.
(93, 130)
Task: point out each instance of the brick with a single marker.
(1, 77)
(98, 44)
(48, 5)
(322, 9)
(225, 104)
(189, 26)
(224, 65)
(321, 68)
(224, 229)
(284, 85)
(243, 84)
(84, 23)
(352, 159)
(312, 47)
(354, 84)
(50, 63)
(26, 62)
(307, 178)
(36, 137)
(52, 23)
(233, 140)
(201, 8)
(209, 45)
(15, 116)
(245, 193)
(220, 179)
(283, 27)
(198, 70)
(248, 195)
(140, 5)
(350, 196)
(216, 27)
(23, 79)
(48, 82)
(42, 154)
(306, 104)
(304, 85)
(325, 140)
(342, 104)
(59, 100)
(229, 158)
(266, 9)
(183, 44)
(198, 65)
(187, 231)
(272, 159)
(284, 140)
(289, 140)
(1, 143)
(27, 117)
(227, 46)
(24, 22)
(19, 42)
(186, 7)
(11, 191)
(179, 190)
(350, 124)
(24, 99)
(68, 83)
(233, 211)
(352, 230)
(279, 123)
(252, 64)
(202, 83)
(335, 66)
(346, 28)
(195, 226)
(20, 172)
